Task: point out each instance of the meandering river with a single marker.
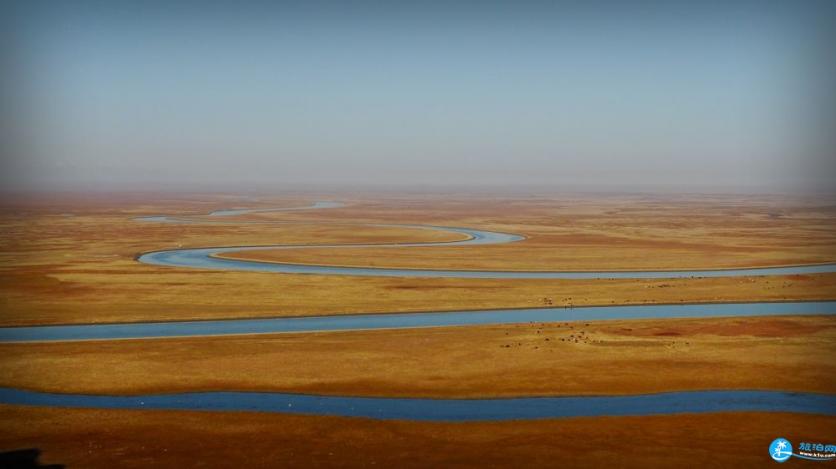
(210, 257)
(412, 408)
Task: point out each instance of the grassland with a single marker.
(110, 438)
(80, 269)
(612, 234)
(577, 358)
(70, 259)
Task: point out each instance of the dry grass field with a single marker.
(58, 268)
(609, 357)
(140, 439)
(610, 233)
(69, 258)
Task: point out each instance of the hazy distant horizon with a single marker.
(599, 96)
(465, 190)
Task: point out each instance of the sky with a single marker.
(684, 95)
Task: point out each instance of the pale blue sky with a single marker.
(477, 93)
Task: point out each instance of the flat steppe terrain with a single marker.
(606, 357)
(141, 439)
(603, 233)
(70, 259)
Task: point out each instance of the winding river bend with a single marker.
(414, 408)
(210, 257)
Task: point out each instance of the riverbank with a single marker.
(532, 359)
(131, 438)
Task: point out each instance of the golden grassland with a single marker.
(131, 438)
(58, 268)
(70, 259)
(606, 357)
(607, 233)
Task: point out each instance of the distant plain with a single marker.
(71, 259)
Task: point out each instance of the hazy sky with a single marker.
(149, 94)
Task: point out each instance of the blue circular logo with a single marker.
(780, 449)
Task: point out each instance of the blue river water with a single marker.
(447, 409)
(146, 330)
